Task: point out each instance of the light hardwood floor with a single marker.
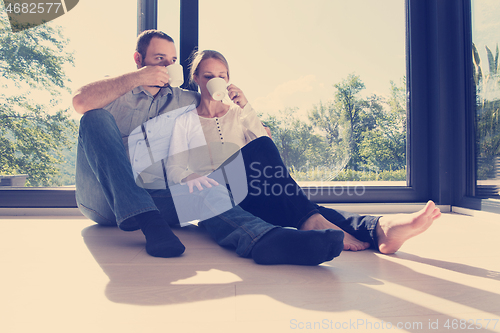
(65, 274)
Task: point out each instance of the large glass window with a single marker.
(40, 68)
(328, 78)
(169, 19)
(486, 36)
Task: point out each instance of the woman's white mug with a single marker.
(217, 87)
(176, 75)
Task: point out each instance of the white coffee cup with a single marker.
(217, 87)
(176, 75)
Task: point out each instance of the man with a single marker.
(107, 193)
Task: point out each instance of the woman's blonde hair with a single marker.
(199, 56)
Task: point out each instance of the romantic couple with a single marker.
(152, 156)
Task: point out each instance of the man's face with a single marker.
(160, 52)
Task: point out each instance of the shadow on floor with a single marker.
(208, 272)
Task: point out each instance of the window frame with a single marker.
(469, 199)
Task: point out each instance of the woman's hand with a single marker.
(195, 179)
(237, 96)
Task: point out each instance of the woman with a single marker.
(206, 137)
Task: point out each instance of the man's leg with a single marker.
(89, 195)
(268, 244)
(274, 196)
(104, 172)
(249, 235)
(361, 228)
(385, 233)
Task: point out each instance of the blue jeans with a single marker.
(106, 191)
(275, 197)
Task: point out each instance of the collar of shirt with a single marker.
(163, 91)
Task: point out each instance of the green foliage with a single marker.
(492, 60)
(386, 175)
(487, 114)
(327, 118)
(33, 135)
(373, 137)
(354, 117)
(323, 174)
(67, 170)
(297, 143)
(384, 147)
(478, 72)
(346, 137)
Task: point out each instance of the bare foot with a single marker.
(353, 244)
(394, 230)
(318, 222)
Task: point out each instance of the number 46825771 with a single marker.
(33, 8)
(470, 324)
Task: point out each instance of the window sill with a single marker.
(37, 197)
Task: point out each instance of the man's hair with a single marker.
(199, 56)
(145, 37)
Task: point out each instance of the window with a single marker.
(169, 19)
(39, 126)
(434, 61)
(328, 78)
(485, 37)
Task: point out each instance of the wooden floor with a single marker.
(65, 274)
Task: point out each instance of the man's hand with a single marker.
(195, 179)
(153, 76)
(98, 94)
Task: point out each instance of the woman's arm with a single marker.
(237, 96)
(195, 179)
(252, 124)
(188, 143)
(249, 118)
(178, 156)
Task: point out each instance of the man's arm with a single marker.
(98, 94)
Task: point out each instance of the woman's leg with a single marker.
(273, 194)
(361, 227)
(250, 236)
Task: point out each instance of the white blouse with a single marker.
(200, 145)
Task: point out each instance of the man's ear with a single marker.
(138, 59)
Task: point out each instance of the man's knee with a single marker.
(98, 217)
(97, 117)
(98, 123)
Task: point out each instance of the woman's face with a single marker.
(207, 70)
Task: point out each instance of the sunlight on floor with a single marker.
(68, 275)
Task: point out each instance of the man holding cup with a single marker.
(108, 192)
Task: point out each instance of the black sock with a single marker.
(297, 247)
(160, 240)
